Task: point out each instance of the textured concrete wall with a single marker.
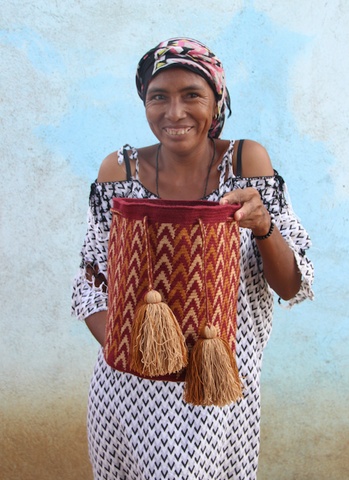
(67, 99)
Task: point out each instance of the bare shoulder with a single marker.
(111, 171)
(255, 161)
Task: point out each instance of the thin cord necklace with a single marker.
(208, 173)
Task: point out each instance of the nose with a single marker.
(175, 110)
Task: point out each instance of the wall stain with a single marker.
(308, 440)
(48, 444)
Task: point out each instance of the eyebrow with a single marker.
(164, 90)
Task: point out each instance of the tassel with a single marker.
(157, 343)
(212, 376)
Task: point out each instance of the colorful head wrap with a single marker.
(193, 55)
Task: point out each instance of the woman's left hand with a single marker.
(279, 264)
(252, 213)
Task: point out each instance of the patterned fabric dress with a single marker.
(142, 429)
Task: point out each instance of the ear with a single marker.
(215, 112)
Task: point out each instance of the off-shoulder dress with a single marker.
(142, 429)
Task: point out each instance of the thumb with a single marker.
(238, 215)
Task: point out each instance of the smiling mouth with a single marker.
(177, 131)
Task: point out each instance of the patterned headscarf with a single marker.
(193, 55)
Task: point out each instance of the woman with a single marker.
(140, 428)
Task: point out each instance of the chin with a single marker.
(187, 142)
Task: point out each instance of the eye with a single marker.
(158, 96)
(193, 95)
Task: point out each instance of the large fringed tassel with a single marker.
(157, 343)
(212, 376)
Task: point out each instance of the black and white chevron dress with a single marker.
(142, 429)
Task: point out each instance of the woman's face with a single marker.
(180, 106)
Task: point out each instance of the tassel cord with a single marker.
(158, 342)
(203, 234)
(147, 246)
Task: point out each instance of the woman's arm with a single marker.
(279, 264)
(90, 296)
(96, 323)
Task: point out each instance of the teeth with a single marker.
(177, 131)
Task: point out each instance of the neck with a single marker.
(181, 163)
(186, 170)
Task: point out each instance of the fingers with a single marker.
(236, 196)
(247, 214)
(239, 215)
(252, 213)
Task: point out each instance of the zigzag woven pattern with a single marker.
(195, 268)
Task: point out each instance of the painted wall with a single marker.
(67, 99)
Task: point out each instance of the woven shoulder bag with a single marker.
(173, 278)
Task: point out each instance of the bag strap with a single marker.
(128, 166)
(238, 166)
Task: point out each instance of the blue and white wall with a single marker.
(67, 99)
